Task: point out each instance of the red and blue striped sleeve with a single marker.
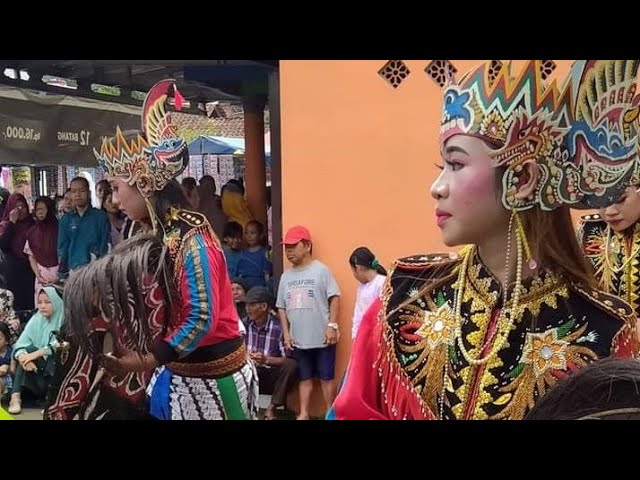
(197, 274)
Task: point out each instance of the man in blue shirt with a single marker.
(83, 233)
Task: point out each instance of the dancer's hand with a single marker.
(111, 364)
(129, 362)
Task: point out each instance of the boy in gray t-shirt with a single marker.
(307, 305)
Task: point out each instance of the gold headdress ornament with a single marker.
(149, 161)
(583, 137)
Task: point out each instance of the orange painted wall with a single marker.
(358, 160)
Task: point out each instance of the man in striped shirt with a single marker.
(277, 373)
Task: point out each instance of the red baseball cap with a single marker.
(296, 234)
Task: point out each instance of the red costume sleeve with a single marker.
(375, 387)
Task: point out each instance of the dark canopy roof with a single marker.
(45, 129)
(199, 81)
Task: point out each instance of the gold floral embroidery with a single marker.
(391, 339)
(545, 351)
(432, 332)
(420, 340)
(438, 327)
(545, 355)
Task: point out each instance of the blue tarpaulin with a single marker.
(238, 143)
(205, 144)
(221, 146)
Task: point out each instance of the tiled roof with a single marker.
(227, 120)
